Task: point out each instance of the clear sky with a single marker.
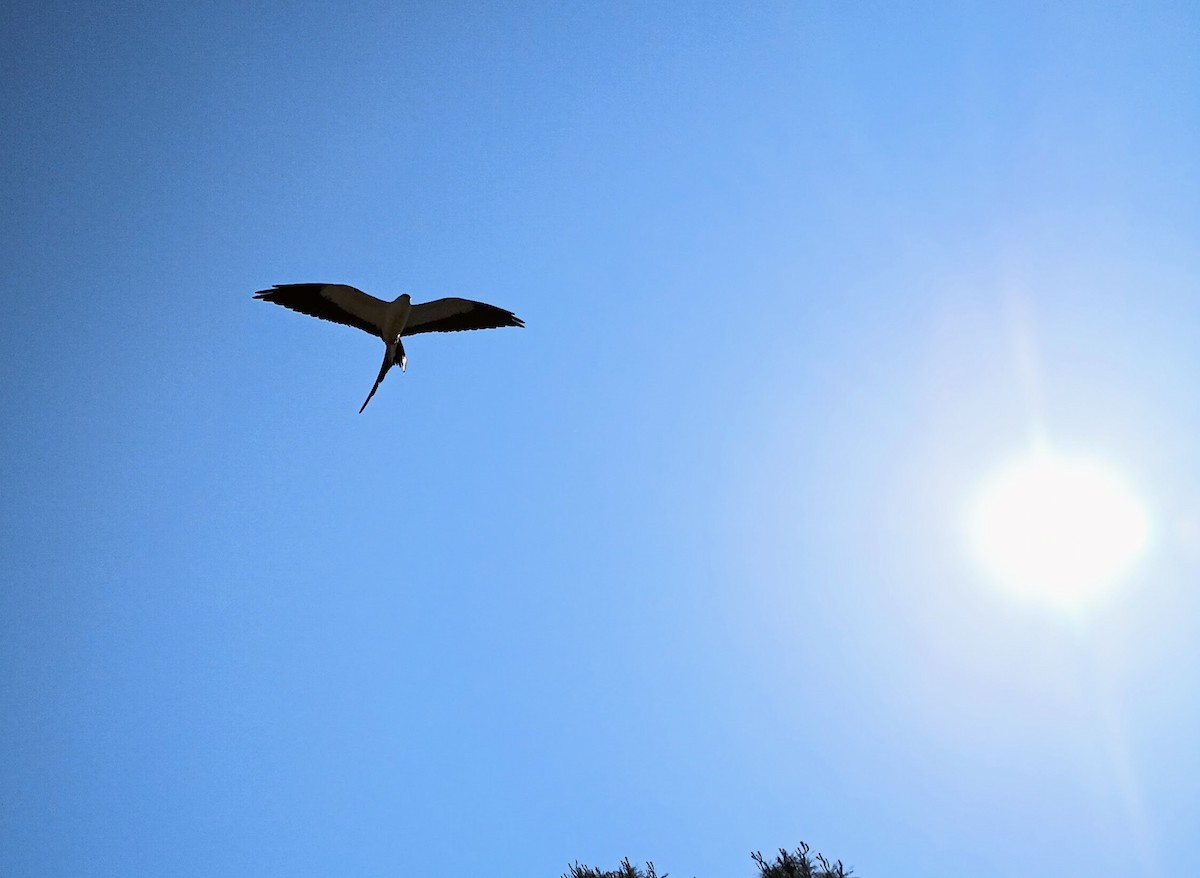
(677, 572)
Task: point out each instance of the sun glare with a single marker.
(1059, 530)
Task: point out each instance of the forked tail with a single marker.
(383, 370)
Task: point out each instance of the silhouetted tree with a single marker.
(786, 865)
(800, 865)
(626, 870)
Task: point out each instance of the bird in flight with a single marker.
(390, 321)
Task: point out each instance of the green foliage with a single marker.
(786, 865)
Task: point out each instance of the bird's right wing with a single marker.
(456, 315)
(335, 302)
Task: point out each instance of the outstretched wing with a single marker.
(335, 302)
(455, 315)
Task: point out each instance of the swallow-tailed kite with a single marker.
(389, 321)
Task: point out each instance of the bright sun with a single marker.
(1059, 530)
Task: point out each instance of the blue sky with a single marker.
(678, 571)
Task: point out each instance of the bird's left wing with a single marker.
(335, 302)
(455, 315)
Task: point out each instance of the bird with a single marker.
(390, 321)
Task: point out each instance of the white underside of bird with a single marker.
(389, 321)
